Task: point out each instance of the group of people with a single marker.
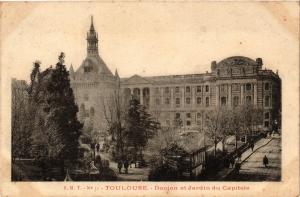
(124, 164)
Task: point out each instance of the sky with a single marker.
(149, 39)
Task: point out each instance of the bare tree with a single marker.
(218, 126)
(21, 117)
(114, 110)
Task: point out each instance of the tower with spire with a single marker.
(93, 84)
(92, 40)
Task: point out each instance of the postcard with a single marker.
(140, 98)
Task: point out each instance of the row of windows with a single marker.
(235, 87)
(236, 101)
(188, 115)
(198, 121)
(187, 101)
(187, 89)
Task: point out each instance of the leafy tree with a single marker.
(56, 118)
(140, 126)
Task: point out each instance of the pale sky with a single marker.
(149, 38)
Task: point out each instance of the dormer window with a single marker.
(87, 69)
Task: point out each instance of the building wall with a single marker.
(192, 96)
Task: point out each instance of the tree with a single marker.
(114, 113)
(250, 116)
(140, 126)
(21, 130)
(56, 120)
(217, 126)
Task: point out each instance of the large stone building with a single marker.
(232, 82)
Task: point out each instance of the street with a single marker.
(134, 174)
(252, 168)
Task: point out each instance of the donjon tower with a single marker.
(93, 84)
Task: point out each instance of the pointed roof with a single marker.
(96, 64)
(136, 79)
(92, 24)
(116, 73)
(71, 69)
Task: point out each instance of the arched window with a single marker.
(187, 89)
(248, 86)
(207, 101)
(223, 101)
(198, 100)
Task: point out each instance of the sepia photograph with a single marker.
(150, 93)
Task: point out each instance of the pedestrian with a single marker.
(237, 167)
(126, 165)
(232, 162)
(120, 164)
(130, 160)
(265, 161)
(252, 146)
(98, 147)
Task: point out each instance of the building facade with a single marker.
(232, 82)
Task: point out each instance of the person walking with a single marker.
(98, 147)
(265, 161)
(126, 165)
(252, 146)
(237, 167)
(232, 162)
(120, 164)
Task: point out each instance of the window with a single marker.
(157, 101)
(198, 115)
(206, 88)
(177, 90)
(188, 115)
(198, 100)
(223, 101)
(188, 100)
(267, 101)
(267, 86)
(177, 101)
(267, 115)
(266, 123)
(87, 69)
(198, 122)
(236, 101)
(248, 86)
(188, 123)
(167, 90)
(207, 101)
(177, 115)
(167, 101)
(188, 89)
(198, 88)
(248, 99)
